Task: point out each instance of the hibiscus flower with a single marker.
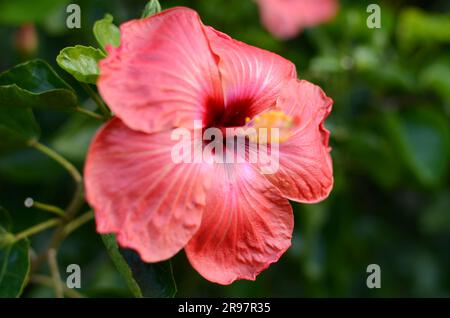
(233, 221)
(287, 18)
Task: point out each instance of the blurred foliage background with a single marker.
(389, 132)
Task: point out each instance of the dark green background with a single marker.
(389, 131)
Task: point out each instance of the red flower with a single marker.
(232, 220)
(286, 18)
(26, 40)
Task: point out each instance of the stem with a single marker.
(101, 105)
(45, 207)
(53, 265)
(72, 209)
(75, 204)
(36, 229)
(58, 158)
(48, 281)
(77, 201)
(89, 113)
(59, 235)
(75, 224)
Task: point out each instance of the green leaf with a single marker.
(418, 28)
(5, 219)
(143, 279)
(27, 166)
(151, 8)
(14, 260)
(14, 268)
(25, 11)
(35, 84)
(422, 139)
(436, 77)
(5, 226)
(106, 32)
(6, 238)
(81, 62)
(73, 139)
(17, 124)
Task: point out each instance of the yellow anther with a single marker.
(272, 119)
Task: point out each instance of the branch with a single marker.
(54, 270)
(48, 282)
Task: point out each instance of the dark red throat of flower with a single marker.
(233, 115)
(241, 114)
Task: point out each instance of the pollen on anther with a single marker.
(272, 119)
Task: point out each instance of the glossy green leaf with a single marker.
(35, 84)
(17, 124)
(27, 166)
(152, 7)
(143, 279)
(14, 260)
(24, 11)
(14, 268)
(421, 137)
(106, 32)
(81, 62)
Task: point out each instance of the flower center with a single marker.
(271, 126)
(233, 115)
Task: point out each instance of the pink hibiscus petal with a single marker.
(154, 205)
(249, 75)
(246, 226)
(163, 75)
(305, 168)
(286, 18)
